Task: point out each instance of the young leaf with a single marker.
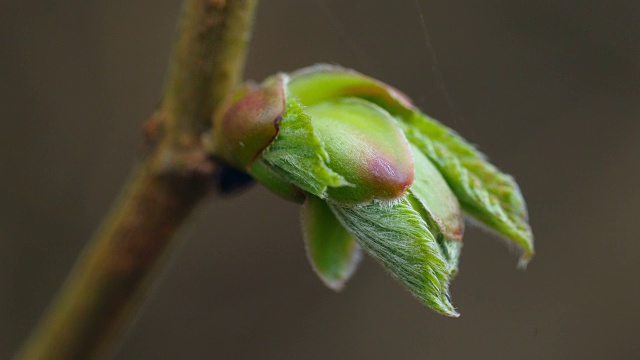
(332, 251)
(323, 82)
(298, 155)
(487, 194)
(431, 196)
(451, 250)
(436, 201)
(397, 236)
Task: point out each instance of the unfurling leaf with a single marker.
(332, 250)
(490, 196)
(487, 194)
(397, 236)
(299, 156)
(434, 200)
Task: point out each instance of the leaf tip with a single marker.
(334, 284)
(445, 307)
(524, 259)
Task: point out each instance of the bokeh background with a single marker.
(550, 90)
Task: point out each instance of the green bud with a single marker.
(360, 144)
(365, 146)
(372, 172)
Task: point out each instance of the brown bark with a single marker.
(105, 287)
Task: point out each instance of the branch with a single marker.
(104, 289)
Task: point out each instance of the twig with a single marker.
(103, 291)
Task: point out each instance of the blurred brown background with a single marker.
(549, 89)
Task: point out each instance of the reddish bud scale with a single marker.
(246, 126)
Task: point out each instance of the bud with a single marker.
(248, 122)
(372, 172)
(366, 147)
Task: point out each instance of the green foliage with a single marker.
(487, 194)
(397, 236)
(490, 196)
(434, 199)
(333, 252)
(298, 155)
